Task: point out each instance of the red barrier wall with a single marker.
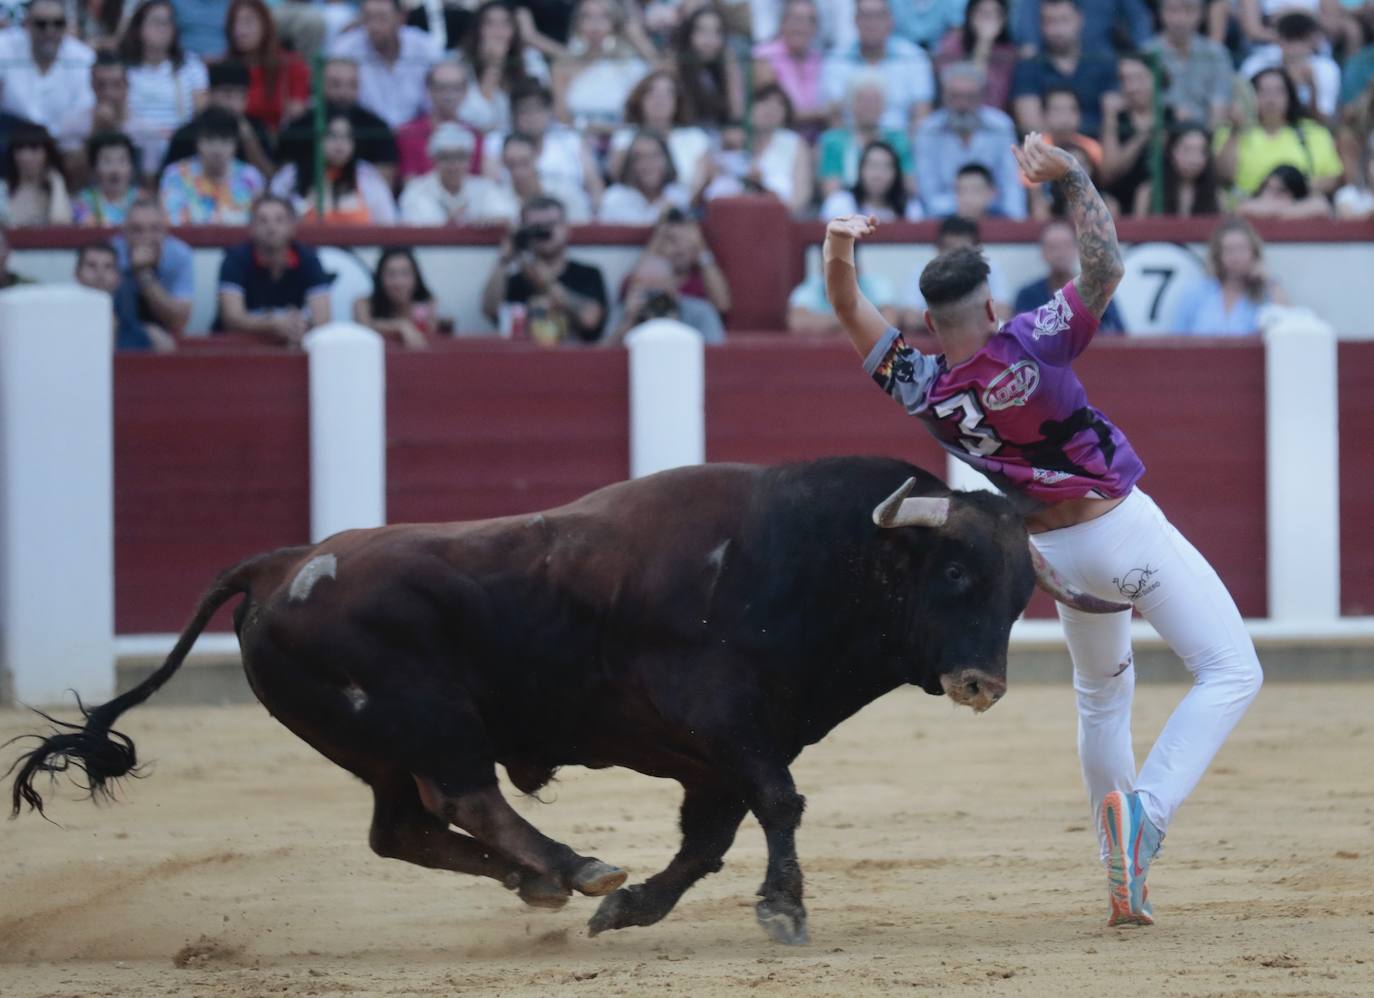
(211, 465)
(1355, 367)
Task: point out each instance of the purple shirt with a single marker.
(800, 80)
(1015, 410)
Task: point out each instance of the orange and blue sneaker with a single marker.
(1132, 842)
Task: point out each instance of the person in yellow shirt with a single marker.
(1247, 152)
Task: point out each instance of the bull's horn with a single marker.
(1054, 584)
(899, 511)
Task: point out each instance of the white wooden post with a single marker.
(56, 492)
(347, 428)
(667, 396)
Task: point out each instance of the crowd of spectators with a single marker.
(509, 112)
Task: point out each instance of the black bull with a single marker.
(703, 625)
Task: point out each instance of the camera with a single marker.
(527, 235)
(659, 305)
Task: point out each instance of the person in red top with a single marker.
(447, 86)
(278, 80)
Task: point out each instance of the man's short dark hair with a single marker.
(270, 198)
(217, 123)
(976, 170)
(100, 141)
(1050, 3)
(957, 225)
(106, 59)
(525, 89)
(519, 137)
(953, 276)
(96, 246)
(542, 202)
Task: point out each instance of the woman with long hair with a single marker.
(591, 83)
(400, 307)
(712, 86)
(880, 190)
(1228, 302)
(655, 105)
(114, 176)
(278, 80)
(498, 58)
(1282, 133)
(355, 192)
(32, 191)
(167, 85)
(1190, 176)
(985, 41)
(771, 158)
(647, 185)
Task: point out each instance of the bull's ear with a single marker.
(899, 511)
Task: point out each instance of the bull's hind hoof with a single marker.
(784, 921)
(539, 891)
(595, 878)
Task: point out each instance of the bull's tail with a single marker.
(100, 752)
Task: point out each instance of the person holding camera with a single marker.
(651, 292)
(565, 301)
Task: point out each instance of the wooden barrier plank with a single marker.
(1355, 377)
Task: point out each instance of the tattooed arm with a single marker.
(1098, 252)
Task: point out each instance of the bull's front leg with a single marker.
(775, 802)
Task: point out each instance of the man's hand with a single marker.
(1042, 162)
(850, 228)
(538, 273)
(144, 255)
(290, 326)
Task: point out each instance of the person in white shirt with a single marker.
(46, 72)
(904, 66)
(449, 194)
(167, 85)
(1316, 76)
(393, 60)
(647, 185)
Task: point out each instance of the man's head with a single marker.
(1059, 248)
(974, 191)
(957, 232)
(229, 86)
(146, 222)
(447, 86)
(873, 21)
(97, 267)
(1299, 36)
(1063, 116)
(867, 98)
(112, 159)
(651, 289)
(521, 163)
(1061, 26)
(1181, 18)
(109, 79)
(544, 219)
(382, 21)
(273, 224)
(531, 107)
(340, 83)
(961, 94)
(217, 135)
(46, 23)
(955, 287)
(450, 148)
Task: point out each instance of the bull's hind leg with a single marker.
(775, 802)
(488, 817)
(710, 818)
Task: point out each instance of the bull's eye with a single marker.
(955, 574)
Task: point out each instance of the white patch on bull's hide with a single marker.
(322, 566)
(537, 520)
(715, 563)
(356, 696)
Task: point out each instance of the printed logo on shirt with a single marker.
(1014, 386)
(1053, 317)
(1136, 583)
(1047, 477)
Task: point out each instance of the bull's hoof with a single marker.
(613, 913)
(784, 921)
(595, 878)
(539, 891)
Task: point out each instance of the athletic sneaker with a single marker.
(1132, 841)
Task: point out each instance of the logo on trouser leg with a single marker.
(1136, 583)
(1126, 663)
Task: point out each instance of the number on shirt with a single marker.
(979, 440)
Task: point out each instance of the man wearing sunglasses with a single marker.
(45, 71)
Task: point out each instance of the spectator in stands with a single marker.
(651, 292)
(211, 187)
(1357, 75)
(1285, 193)
(375, 139)
(201, 25)
(565, 301)
(563, 156)
(114, 169)
(1190, 177)
(712, 86)
(109, 113)
(1065, 60)
(446, 84)
(166, 84)
(1356, 200)
(46, 71)
(975, 193)
(837, 153)
(400, 307)
(793, 61)
(1228, 303)
(355, 192)
(8, 278)
(678, 239)
(926, 24)
(278, 80)
(160, 266)
(904, 68)
(954, 233)
(1106, 25)
(1258, 19)
(97, 267)
(1248, 152)
(809, 312)
(521, 178)
(646, 187)
(1199, 70)
(1128, 127)
(1316, 77)
(880, 190)
(393, 60)
(495, 49)
(449, 194)
(32, 191)
(654, 106)
(1355, 139)
(312, 26)
(229, 94)
(1059, 251)
(1063, 122)
(777, 160)
(985, 41)
(591, 83)
(272, 285)
(961, 132)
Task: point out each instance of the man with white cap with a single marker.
(448, 194)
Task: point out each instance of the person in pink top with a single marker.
(1004, 398)
(793, 61)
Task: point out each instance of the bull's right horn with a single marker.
(923, 511)
(1058, 587)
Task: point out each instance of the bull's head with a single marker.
(975, 570)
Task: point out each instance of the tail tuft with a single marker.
(102, 754)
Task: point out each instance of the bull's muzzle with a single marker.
(973, 688)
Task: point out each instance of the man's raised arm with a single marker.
(859, 316)
(1098, 252)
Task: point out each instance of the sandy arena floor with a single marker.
(945, 853)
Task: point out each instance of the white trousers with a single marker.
(1134, 554)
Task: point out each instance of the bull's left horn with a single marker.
(899, 511)
(1054, 584)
